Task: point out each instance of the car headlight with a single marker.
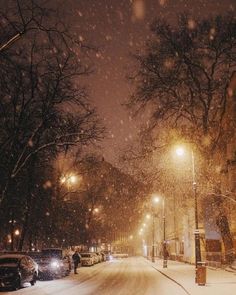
(55, 264)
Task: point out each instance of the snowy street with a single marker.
(135, 276)
(118, 277)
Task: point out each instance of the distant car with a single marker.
(108, 255)
(96, 257)
(53, 267)
(100, 257)
(87, 259)
(119, 255)
(104, 257)
(16, 270)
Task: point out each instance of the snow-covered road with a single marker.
(129, 276)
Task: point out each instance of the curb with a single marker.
(229, 269)
(169, 277)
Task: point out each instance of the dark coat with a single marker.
(76, 258)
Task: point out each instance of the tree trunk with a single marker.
(223, 225)
(29, 199)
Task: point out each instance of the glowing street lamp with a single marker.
(148, 216)
(69, 179)
(17, 232)
(72, 179)
(180, 151)
(96, 210)
(155, 199)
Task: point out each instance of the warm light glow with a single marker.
(131, 237)
(155, 198)
(148, 216)
(63, 179)
(96, 210)
(72, 179)
(179, 151)
(17, 232)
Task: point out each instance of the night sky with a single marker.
(118, 28)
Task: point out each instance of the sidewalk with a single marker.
(218, 281)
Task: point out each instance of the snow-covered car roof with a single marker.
(16, 256)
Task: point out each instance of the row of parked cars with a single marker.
(91, 258)
(16, 269)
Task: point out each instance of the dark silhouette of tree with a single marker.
(44, 109)
(104, 205)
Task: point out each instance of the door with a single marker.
(24, 270)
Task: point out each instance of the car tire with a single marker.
(34, 279)
(17, 285)
(67, 272)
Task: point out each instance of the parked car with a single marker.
(53, 252)
(53, 267)
(95, 257)
(104, 257)
(87, 259)
(16, 270)
(119, 255)
(100, 257)
(108, 255)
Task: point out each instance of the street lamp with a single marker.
(17, 232)
(180, 151)
(71, 182)
(69, 179)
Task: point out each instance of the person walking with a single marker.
(76, 260)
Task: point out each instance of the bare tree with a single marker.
(20, 19)
(182, 79)
(44, 109)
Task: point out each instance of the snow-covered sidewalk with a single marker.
(218, 281)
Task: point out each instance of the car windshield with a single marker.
(9, 260)
(85, 255)
(52, 253)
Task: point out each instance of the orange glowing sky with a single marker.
(118, 28)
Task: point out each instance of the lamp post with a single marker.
(12, 222)
(155, 199)
(164, 246)
(180, 152)
(153, 237)
(196, 233)
(165, 256)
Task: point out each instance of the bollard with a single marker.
(201, 273)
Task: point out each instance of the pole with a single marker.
(153, 237)
(12, 229)
(164, 236)
(196, 233)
